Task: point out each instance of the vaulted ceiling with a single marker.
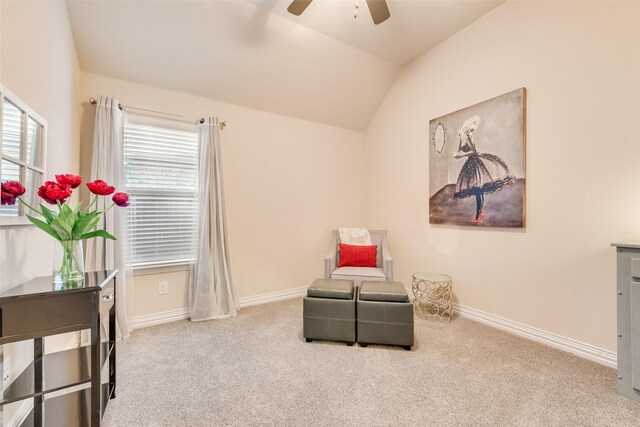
(323, 66)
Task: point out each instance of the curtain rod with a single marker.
(222, 124)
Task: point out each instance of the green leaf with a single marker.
(98, 233)
(63, 224)
(47, 214)
(63, 230)
(96, 219)
(66, 210)
(83, 223)
(44, 227)
(78, 210)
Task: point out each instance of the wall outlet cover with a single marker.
(163, 288)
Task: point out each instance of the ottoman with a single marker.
(329, 311)
(385, 315)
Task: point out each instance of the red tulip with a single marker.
(14, 188)
(100, 188)
(121, 199)
(69, 180)
(7, 198)
(52, 192)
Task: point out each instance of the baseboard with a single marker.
(21, 414)
(271, 297)
(586, 351)
(183, 313)
(160, 318)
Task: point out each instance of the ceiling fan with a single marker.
(378, 8)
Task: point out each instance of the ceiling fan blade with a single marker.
(379, 10)
(298, 6)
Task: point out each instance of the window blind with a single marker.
(160, 174)
(11, 141)
(11, 130)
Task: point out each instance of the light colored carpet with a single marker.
(256, 369)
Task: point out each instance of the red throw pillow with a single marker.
(357, 255)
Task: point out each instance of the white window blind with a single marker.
(160, 173)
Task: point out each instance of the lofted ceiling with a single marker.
(415, 26)
(323, 66)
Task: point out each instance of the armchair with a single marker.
(383, 271)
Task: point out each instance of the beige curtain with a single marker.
(211, 289)
(106, 164)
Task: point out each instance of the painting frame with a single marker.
(477, 164)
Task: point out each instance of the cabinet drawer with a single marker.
(46, 315)
(635, 269)
(635, 334)
(107, 301)
(107, 294)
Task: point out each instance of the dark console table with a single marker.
(82, 379)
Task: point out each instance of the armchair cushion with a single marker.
(384, 262)
(357, 255)
(366, 273)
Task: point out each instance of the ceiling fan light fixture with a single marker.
(378, 8)
(298, 6)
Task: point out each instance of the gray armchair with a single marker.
(383, 271)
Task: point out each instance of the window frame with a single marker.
(158, 121)
(27, 112)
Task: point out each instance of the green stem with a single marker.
(70, 268)
(95, 199)
(27, 205)
(106, 210)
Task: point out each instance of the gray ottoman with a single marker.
(329, 311)
(385, 315)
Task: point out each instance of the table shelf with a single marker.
(69, 410)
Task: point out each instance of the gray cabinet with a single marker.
(628, 290)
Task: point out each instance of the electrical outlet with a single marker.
(6, 372)
(163, 288)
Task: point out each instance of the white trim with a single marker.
(9, 221)
(271, 297)
(586, 351)
(160, 318)
(21, 414)
(183, 313)
(159, 268)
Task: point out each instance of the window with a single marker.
(160, 175)
(22, 143)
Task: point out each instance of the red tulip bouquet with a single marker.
(66, 225)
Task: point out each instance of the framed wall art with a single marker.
(477, 164)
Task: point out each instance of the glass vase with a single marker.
(68, 265)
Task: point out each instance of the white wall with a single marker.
(38, 64)
(580, 62)
(288, 182)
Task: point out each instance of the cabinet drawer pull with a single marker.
(109, 297)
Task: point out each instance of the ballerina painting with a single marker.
(485, 163)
